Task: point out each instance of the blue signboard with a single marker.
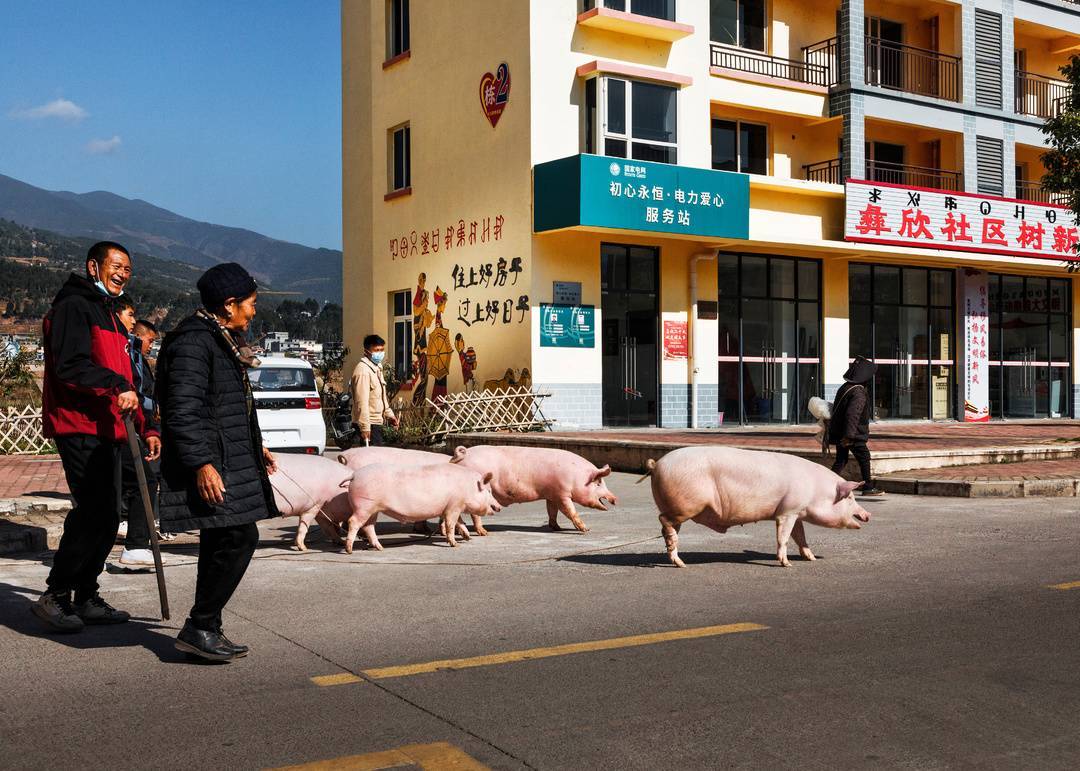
(567, 326)
(600, 191)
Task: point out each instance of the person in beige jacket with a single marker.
(370, 404)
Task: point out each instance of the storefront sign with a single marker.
(495, 93)
(604, 192)
(675, 340)
(567, 326)
(883, 213)
(566, 292)
(976, 351)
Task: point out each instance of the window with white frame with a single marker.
(631, 119)
(402, 342)
(738, 23)
(397, 27)
(740, 146)
(400, 158)
(658, 9)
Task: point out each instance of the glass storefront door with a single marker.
(769, 315)
(1030, 354)
(903, 319)
(630, 312)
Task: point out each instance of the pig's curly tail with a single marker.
(650, 464)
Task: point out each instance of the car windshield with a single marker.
(282, 379)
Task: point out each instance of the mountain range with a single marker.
(141, 226)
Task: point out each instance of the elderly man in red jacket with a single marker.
(87, 391)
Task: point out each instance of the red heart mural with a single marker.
(495, 93)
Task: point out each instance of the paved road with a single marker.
(929, 638)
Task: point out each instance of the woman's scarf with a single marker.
(240, 350)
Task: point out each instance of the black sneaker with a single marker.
(205, 645)
(97, 611)
(874, 492)
(57, 612)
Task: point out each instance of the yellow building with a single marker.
(695, 212)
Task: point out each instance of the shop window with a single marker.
(400, 171)
(403, 336)
(738, 23)
(657, 9)
(637, 119)
(903, 318)
(397, 28)
(739, 146)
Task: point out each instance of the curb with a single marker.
(29, 524)
(969, 488)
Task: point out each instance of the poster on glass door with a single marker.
(976, 347)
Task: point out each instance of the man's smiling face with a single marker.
(114, 272)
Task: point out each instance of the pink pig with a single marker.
(415, 493)
(358, 457)
(721, 487)
(523, 474)
(312, 488)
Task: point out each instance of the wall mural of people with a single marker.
(422, 319)
(467, 357)
(439, 350)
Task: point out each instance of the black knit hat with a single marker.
(222, 282)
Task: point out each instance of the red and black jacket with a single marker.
(87, 364)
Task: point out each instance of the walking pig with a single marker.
(415, 493)
(358, 457)
(312, 488)
(523, 474)
(721, 487)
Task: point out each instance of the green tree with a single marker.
(1062, 160)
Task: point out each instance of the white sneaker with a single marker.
(121, 532)
(141, 559)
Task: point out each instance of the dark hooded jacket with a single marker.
(851, 407)
(208, 416)
(87, 365)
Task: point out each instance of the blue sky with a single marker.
(227, 111)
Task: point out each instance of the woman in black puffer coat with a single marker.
(214, 469)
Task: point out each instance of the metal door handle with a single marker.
(633, 365)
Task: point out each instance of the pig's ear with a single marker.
(600, 473)
(488, 477)
(459, 455)
(844, 489)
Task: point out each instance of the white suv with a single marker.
(288, 406)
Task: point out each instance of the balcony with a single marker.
(1039, 95)
(824, 171)
(894, 66)
(914, 176)
(1026, 190)
(763, 65)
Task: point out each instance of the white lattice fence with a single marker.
(516, 408)
(20, 432)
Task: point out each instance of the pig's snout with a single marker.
(862, 515)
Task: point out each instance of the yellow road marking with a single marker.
(341, 679)
(439, 755)
(560, 650)
(1070, 585)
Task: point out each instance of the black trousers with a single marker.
(862, 455)
(224, 556)
(376, 435)
(92, 469)
(138, 533)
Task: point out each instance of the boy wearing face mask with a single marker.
(370, 405)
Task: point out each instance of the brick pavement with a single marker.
(31, 475)
(1006, 472)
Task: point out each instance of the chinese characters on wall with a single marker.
(941, 219)
(456, 235)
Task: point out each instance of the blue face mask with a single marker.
(378, 356)
(98, 285)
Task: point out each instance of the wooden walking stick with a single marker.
(148, 507)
